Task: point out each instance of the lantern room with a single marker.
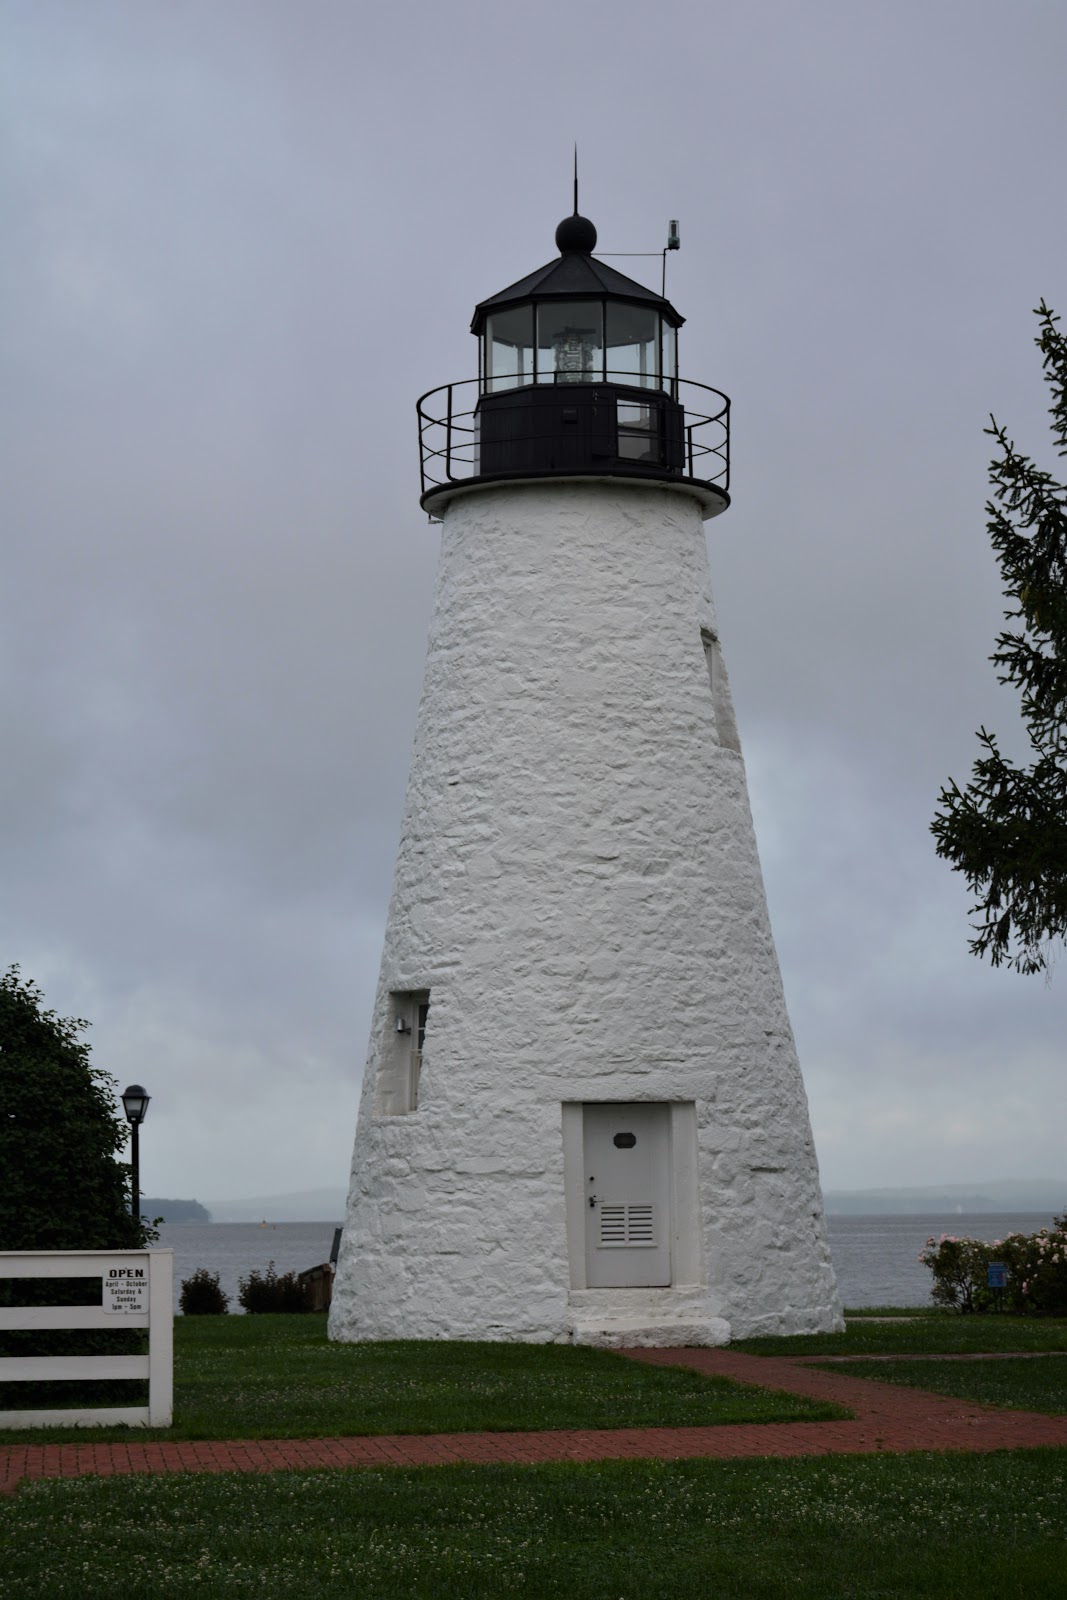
(576, 321)
(577, 377)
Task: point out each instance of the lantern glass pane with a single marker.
(633, 345)
(509, 349)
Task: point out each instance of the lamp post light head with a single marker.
(135, 1103)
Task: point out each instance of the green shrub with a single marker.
(1036, 1266)
(203, 1296)
(269, 1292)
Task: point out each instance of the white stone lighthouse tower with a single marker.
(582, 1116)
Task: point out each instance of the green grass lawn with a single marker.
(1038, 1384)
(986, 1527)
(927, 1310)
(279, 1377)
(936, 1332)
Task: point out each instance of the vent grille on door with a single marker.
(626, 1225)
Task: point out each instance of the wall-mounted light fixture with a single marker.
(403, 1025)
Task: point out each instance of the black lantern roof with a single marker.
(575, 275)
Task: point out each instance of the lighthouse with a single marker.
(582, 1117)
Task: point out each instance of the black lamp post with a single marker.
(135, 1104)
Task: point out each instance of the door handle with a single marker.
(592, 1200)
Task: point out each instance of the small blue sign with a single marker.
(997, 1275)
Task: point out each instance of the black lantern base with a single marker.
(579, 427)
(575, 431)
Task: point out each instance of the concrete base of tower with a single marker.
(614, 1319)
(790, 1321)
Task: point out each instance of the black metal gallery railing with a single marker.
(680, 433)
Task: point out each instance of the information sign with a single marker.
(126, 1289)
(997, 1275)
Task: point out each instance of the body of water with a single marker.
(875, 1257)
(234, 1249)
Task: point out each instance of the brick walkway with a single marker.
(886, 1417)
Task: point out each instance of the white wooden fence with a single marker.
(137, 1291)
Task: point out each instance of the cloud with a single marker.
(239, 242)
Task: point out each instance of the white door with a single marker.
(627, 1195)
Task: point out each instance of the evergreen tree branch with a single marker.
(1006, 830)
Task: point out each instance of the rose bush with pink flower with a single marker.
(1036, 1270)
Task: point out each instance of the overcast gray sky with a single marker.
(239, 238)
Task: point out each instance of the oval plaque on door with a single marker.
(624, 1141)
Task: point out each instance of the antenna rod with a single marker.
(575, 177)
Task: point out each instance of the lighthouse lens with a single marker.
(570, 342)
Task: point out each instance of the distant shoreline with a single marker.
(1051, 1199)
(1031, 1212)
(1019, 1195)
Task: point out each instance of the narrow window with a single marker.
(421, 1009)
(721, 704)
(400, 1062)
(639, 431)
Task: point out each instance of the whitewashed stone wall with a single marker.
(578, 888)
